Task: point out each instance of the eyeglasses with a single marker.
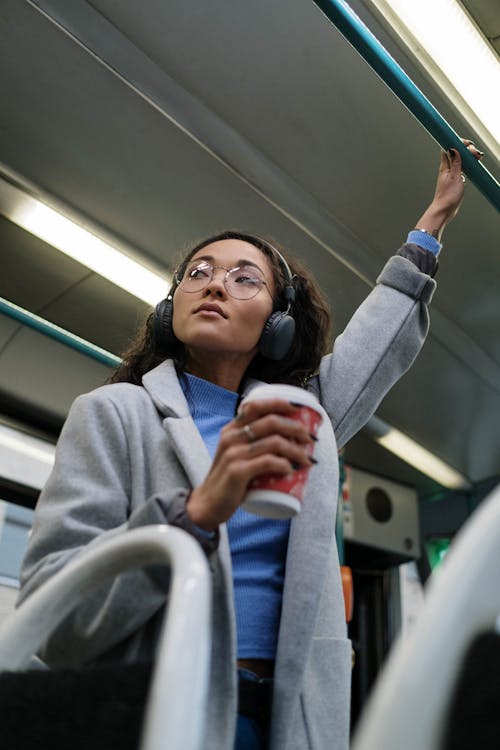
(241, 282)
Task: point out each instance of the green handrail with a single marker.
(57, 333)
(374, 53)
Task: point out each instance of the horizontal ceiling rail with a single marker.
(57, 333)
(378, 58)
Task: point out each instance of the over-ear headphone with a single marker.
(279, 329)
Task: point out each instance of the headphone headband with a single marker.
(289, 276)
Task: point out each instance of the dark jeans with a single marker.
(251, 734)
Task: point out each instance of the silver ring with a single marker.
(251, 437)
(463, 177)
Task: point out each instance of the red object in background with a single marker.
(348, 590)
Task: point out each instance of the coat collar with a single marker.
(163, 386)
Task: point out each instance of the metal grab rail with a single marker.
(57, 333)
(378, 58)
(407, 708)
(174, 716)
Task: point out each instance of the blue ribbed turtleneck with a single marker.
(211, 407)
(258, 545)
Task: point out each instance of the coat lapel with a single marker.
(189, 447)
(163, 386)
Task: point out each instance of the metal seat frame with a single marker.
(175, 711)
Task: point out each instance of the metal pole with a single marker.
(59, 334)
(367, 45)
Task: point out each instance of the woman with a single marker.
(162, 444)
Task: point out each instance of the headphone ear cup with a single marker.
(162, 329)
(277, 336)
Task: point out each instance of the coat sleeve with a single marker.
(378, 345)
(86, 501)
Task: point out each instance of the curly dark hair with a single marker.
(310, 311)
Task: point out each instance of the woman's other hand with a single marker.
(262, 439)
(449, 191)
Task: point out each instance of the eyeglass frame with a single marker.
(289, 290)
(178, 281)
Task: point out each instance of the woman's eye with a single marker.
(198, 273)
(248, 279)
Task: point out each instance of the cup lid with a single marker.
(285, 391)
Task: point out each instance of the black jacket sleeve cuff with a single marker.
(425, 261)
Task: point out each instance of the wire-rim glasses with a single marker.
(241, 282)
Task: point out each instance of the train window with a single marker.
(25, 463)
(15, 525)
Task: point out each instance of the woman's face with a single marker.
(210, 321)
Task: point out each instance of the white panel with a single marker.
(24, 459)
(381, 513)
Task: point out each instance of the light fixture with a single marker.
(416, 455)
(452, 50)
(79, 243)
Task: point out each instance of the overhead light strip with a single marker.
(416, 455)
(74, 240)
(450, 47)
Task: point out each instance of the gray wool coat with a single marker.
(128, 455)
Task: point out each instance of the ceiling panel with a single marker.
(32, 272)
(100, 312)
(340, 138)
(8, 328)
(46, 375)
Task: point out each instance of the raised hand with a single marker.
(449, 192)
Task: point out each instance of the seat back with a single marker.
(409, 705)
(174, 714)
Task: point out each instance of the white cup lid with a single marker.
(285, 391)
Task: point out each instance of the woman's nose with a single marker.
(216, 284)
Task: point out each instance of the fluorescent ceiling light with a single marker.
(448, 44)
(416, 455)
(81, 244)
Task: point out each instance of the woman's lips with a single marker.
(210, 309)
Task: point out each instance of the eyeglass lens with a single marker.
(242, 282)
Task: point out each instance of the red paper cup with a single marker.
(272, 495)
